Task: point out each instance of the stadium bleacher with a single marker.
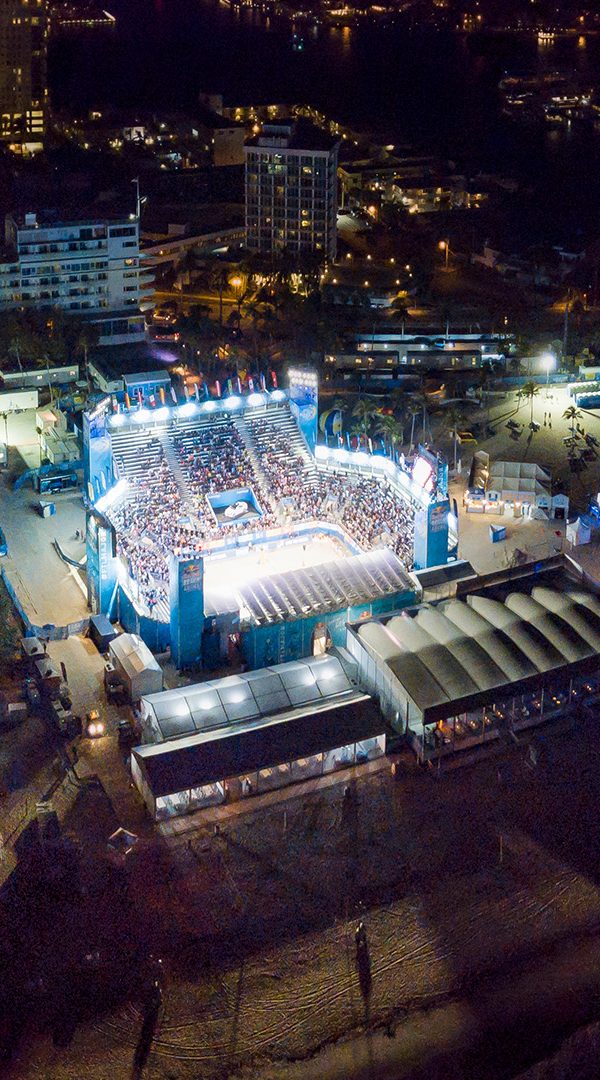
(172, 469)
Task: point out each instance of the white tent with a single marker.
(578, 532)
(135, 665)
(519, 481)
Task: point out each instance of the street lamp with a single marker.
(444, 245)
(548, 361)
(236, 283)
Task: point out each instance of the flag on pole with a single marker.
(173, 394)
(196, 391)
(274, 380)
(263, 382)
(127, 400)
(186, 392)
(250, 384)
(239, 385)
(218, 387)
(140, 398)
(161, 394)
(229, 386)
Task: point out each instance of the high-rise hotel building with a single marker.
(23, 83)
(291, 190)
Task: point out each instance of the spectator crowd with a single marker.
(166, 513)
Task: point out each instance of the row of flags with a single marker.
(231, 386)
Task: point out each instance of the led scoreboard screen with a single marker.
(424, 474)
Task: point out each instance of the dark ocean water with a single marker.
(435, 91)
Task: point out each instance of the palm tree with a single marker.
(86, 340)
(218, 282)
(573, 415)
(356, 430)
(414, 410)
(398, 405)
(422, 401)
(364, 411)
(456, 419)
(484, 377)
(530, 390)
(185, 266)
(14, 349)
(390, 429)
(200, 336)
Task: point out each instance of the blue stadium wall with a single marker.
(262, 646)
(156, 635)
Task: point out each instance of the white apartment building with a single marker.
(291, 190)
(88, 268)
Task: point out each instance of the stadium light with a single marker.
(142, 415)
(277, 395)
(188, 409)
(232, 401)
(208, 406)
(116, 420)
(162, 414)
(255, 399)
(112, 495)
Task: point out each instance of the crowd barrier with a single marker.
(66, 558)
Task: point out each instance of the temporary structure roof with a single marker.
(219, 703)
(329, 586)
(460, 653)
(266, 742)
(518, 480)
(134, 661)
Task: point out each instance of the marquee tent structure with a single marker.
(505, 656)
(243, 734)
